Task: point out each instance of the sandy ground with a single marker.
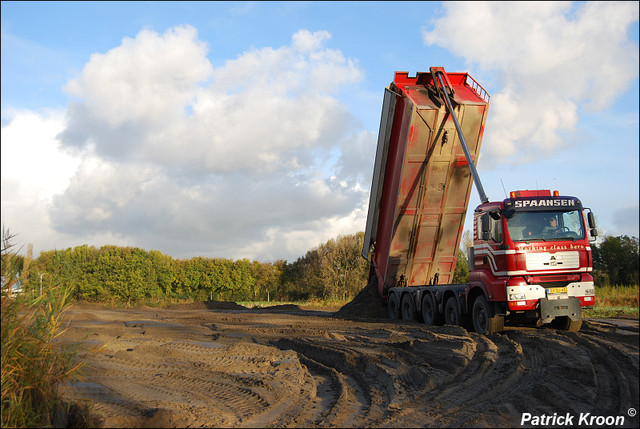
(202, 366)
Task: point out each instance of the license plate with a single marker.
(557, 290)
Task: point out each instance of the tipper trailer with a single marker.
(531, 257)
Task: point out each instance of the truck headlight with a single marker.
(589, 291)
(516, 296)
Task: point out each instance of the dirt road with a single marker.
(287, 367)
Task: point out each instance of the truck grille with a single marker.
(553, 261)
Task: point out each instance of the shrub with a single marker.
(34, 363)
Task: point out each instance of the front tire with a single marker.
(484, 321)
(565, 323)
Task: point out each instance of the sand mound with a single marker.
(281, 307)
(367, 304)
(208, 305)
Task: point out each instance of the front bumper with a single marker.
(526, 297)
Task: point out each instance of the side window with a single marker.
(496, 230)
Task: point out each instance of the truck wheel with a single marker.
(407, 308)
(429, 311)
(393, 306)
(565, 323)
(484, 321)
(451, 312)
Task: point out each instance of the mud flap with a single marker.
(552, 308)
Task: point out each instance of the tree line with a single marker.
(334, 270)
(616, 261)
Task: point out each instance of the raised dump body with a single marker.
(422, 181)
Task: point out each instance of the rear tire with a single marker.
(565, 323)
(408, 310)
(393, 306)
(430, 313)
(451, 312)
(484, 321)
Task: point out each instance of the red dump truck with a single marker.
(531, 259)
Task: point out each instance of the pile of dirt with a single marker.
(277, 308)
(367, 304)
(208, 305)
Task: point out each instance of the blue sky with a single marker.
(248, 129)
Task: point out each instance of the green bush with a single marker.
(130, 276)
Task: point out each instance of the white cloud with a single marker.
(149, 78)
(256, 158)
(302, 238)
(552, 57)
(34, 168)
(261, 113)
(33, 155)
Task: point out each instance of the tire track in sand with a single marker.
(202, 368)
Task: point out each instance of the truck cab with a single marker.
(531, 257)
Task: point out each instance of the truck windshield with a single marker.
(546, 225)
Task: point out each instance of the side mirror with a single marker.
(486, 226)
(508, 213)
(593, 230)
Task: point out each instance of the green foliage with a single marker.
(34, 363)
(334, 270)
(616, 261)
(461, 274)
(617, 296)
(164, 272)
(125, 275)
(267, 279)
(615, 301)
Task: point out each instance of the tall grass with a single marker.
(34, 363)
(615, 301)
